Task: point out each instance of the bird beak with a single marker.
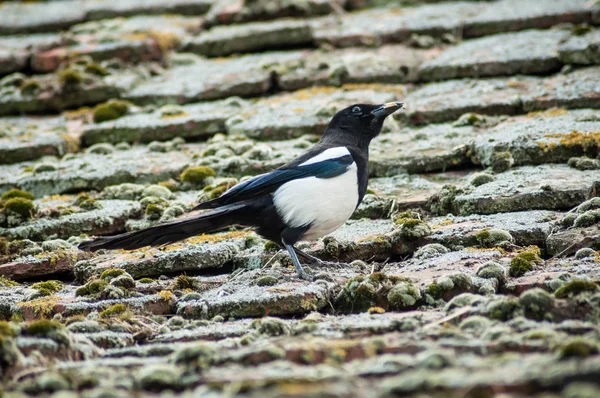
(386, 109)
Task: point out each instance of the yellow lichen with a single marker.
(182, 114)
(442, 224)
(166, 295)
(209, 238)
(548, 112)
(81, 113)
(588, 142)
(42, 307)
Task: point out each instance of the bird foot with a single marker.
(306, 276)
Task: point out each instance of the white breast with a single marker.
(325, 203)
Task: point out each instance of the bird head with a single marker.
(361, 122)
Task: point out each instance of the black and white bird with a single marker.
(306, 199)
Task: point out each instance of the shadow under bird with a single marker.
(308, 198)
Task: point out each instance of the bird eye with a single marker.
(356, 109)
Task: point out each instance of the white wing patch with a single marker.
(324, 203)
(331, 153)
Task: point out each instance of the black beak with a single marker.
(386, 109)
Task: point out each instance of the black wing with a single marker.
(268, 183)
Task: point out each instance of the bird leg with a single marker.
(308, 257)
(317, 261)
(301, 273)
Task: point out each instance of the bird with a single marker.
(303, 200)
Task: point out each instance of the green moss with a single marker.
(113, 310)
(17, 193)
(271, 246)
(475, 323)
(47, 288)
(536, 303)
(217, 192)
(575, 287)
(5, 282)
(96, 69)
(198, 356)
(469, 119)
(411, 228)
(90, 204)
(30, 87)
(111, 273)
(153, 211)
(271, 326)
(361, 293)
(183, 282)
(581, 29)
(6, 330)
(3, 246)
(403, 296)
(478, 179)
(266, 280)
(493, 237)
(41, 328)
(577, 348)
(502, 308)
(110, 110)
(525, 261)
(196, 174)
(146, 280)
(587, 219)
(92, 287)
(70, 77)
(82, 291)
(434, 290)
(21, 206)
(501, 161)
(492, 270)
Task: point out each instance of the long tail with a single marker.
(169, 232)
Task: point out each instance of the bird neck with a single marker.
(339, 137)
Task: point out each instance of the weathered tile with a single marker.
(108, 219)
(578, 89)
(195, 121)
(511, 15)
(235, 11)
(240, 297)
(16, 51)
(444, 101)
(377, 26)
(91, 171)
(42, 265)
(53, 93)
(68, 305)
(543, 187)
(256, 36)
(244, 76)
(103, 9)
(581, 49)
(17, 17)
(527, 52)
(389, 63)
(423, 271)
(198, 253)
(29, 138)
(135, 39)
(551, 136)
(435, 147)
(411, 190)
(526, 227)
(302, 112)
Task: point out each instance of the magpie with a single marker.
(309, 197)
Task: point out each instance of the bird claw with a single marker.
(306, 276)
